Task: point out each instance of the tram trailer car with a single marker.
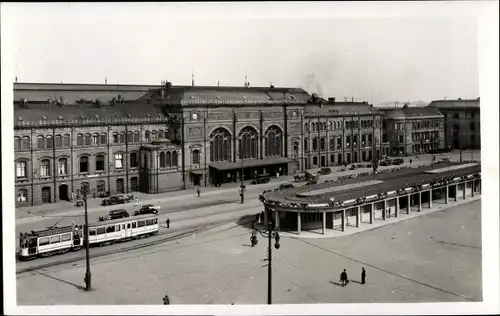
(60, 240)
(48, 242)
(116, 230)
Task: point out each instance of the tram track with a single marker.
(162, 239)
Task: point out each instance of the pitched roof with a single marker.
(414, 112)
(73, 93)
(455, 104)
(340, 108)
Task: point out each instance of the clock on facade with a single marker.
(195, 116)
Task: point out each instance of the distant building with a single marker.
(413, 130)
(462, 122)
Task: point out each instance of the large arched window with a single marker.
(168, 159)
(295, 148)
(87, 140)
(45, 168)
(220, 145)
(162, 160)
(273, 141)
(26, 143)
(62, 166)
(84, 164)
(17, 143)
(248, 143)
(99, 163)
(323, 143)
(306, 127)
(174, 159)
(134, 161)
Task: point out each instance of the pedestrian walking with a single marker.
(72, 197)
(94, 195)
(388, 212)
(166, 300)
(168, 222)
(410, 161)
(198, 191)
(277, 175)
(136, 201)
(363, 275)
(343, 278)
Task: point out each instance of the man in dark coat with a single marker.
(168, 222)
(363, 275)
(343, 278)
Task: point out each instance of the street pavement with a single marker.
(431, 258)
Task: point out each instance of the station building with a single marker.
(462, 122)
(157, 138)
(334, 205)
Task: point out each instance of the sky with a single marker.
(376, 58)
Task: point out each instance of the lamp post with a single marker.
(88, 276)
(270, 233)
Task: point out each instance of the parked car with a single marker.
(385, 162)
(147, 209)
(286, 186)
(353, 167)
(398, 161)
(117, 199)
(115, 214)
(263, 178)
(103, 194)
(325, 171)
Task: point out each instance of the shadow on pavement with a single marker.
(246, 221)
(61, 280)
(336, 283)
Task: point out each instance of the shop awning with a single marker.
(248, 163)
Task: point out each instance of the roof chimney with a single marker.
(331, 100)
(459, 99)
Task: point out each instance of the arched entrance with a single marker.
(63, 192)
(46, 195)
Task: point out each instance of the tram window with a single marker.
(110, 229)
(101, 230)
(128, 225)
(149, 222)
(140, 223)
(55, 239)
(66, 237)
(92, 232)
(155, 221)
(118, 227)
(123, 226)
(134, 225)
(43, 241)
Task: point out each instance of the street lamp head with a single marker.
(277, 245)
(277, 237)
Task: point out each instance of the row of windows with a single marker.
(83, 165)
(424, 136)
(167, 160)
(366, 140)
(88, 139)
(118, 227)
(426, 124)
(337, 125)
(42, 241)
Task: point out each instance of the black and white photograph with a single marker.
(250, 158)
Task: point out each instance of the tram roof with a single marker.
(49, 231)
(391, 181)
(122, 220)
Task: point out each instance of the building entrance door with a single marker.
(63, 192)
(46, 195)
(120, 186)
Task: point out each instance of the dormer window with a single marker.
(96, 116)
(60, 117)
(192, 97)
(129, 115)
(217, 97)
(44, 118)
